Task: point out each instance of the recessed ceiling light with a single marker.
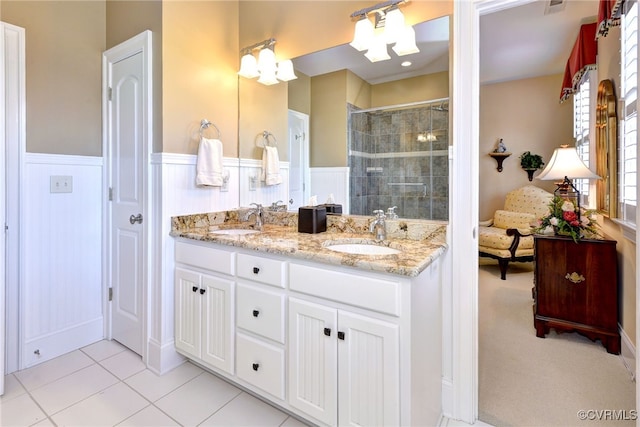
(406, 64)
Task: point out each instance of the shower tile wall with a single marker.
(391, 166)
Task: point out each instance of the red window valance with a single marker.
(582, 59)
(609, 12)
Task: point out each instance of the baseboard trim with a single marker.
(50, 346)
(161, 358)
(447, 398)
(628, 353)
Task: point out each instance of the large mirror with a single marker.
(606, 149)
(376, 136)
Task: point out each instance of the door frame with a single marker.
(142, 43)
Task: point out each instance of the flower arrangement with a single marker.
(563, 219)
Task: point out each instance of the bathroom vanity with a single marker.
(335, 338)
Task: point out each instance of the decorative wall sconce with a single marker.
(390, 20)
(266, 67)
(500, 153)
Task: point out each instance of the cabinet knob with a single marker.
(341, 335)
(256, 313)
(255, 366)
(194, 289)
(256, 270)
(327, 331)
(202, 291)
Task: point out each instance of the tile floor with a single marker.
(105, 384)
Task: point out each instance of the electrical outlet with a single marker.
(60, 184)
(253, 183)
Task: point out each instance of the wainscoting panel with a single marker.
(331, 180)
(255, 191)
(61, 292)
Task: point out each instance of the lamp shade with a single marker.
(378, 49)
(393, 25)
(565, 162)
(285, 71)
(406, 43)
(248, 66)
(363, 35)
(267, 61)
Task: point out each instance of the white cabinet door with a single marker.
(187, 311)
(368, 372)
(217, 322)
(313, 359)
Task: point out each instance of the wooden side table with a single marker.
(576, 288)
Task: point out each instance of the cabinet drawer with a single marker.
(260, 311)
(263, 270)
(361, 291)
(260, 364)
(206, 257)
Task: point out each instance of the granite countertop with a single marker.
(419, 242)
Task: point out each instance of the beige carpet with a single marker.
(530, 381)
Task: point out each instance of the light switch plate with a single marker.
(61, 184)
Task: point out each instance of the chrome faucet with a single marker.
(378, 226)
(257, 211)
(278, 207)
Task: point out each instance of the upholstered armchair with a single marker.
(508, 235)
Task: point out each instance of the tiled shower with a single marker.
(398, 156)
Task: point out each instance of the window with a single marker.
(629, 117)
(581, 131)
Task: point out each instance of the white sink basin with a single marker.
(234, 231)
(363, 249)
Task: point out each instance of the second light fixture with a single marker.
(265, 67)
(391, 20)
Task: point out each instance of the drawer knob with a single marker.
(341, 335)
(256, 270)
(255, 366)
(202, 291)
(256, 313)
(575, 277)
(195, 289)
(327, 331)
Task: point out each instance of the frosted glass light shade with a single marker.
(268, 77)
(406, 43)
(565, 162)
(363, 35)
(285, 71)
(267, 61)
(393, 25)
(378, 49)
(248, 67)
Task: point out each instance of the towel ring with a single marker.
(204, 124)
(266, 134)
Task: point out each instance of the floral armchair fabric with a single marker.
(508, 235)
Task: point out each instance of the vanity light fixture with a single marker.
(265, 67)
(389, 28)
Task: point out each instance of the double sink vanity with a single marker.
(336, 327)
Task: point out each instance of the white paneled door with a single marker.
(12, 145)
(299, 173)
(128, 229)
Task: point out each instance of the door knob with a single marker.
(133, 219)
(291, 201)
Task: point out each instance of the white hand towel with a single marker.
(271, 166)
(209, 170)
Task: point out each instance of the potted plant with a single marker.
(531, 163)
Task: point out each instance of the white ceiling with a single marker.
(523, 42)
(515, 43)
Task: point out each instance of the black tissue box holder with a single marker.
(312, 219)
(333, 209)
